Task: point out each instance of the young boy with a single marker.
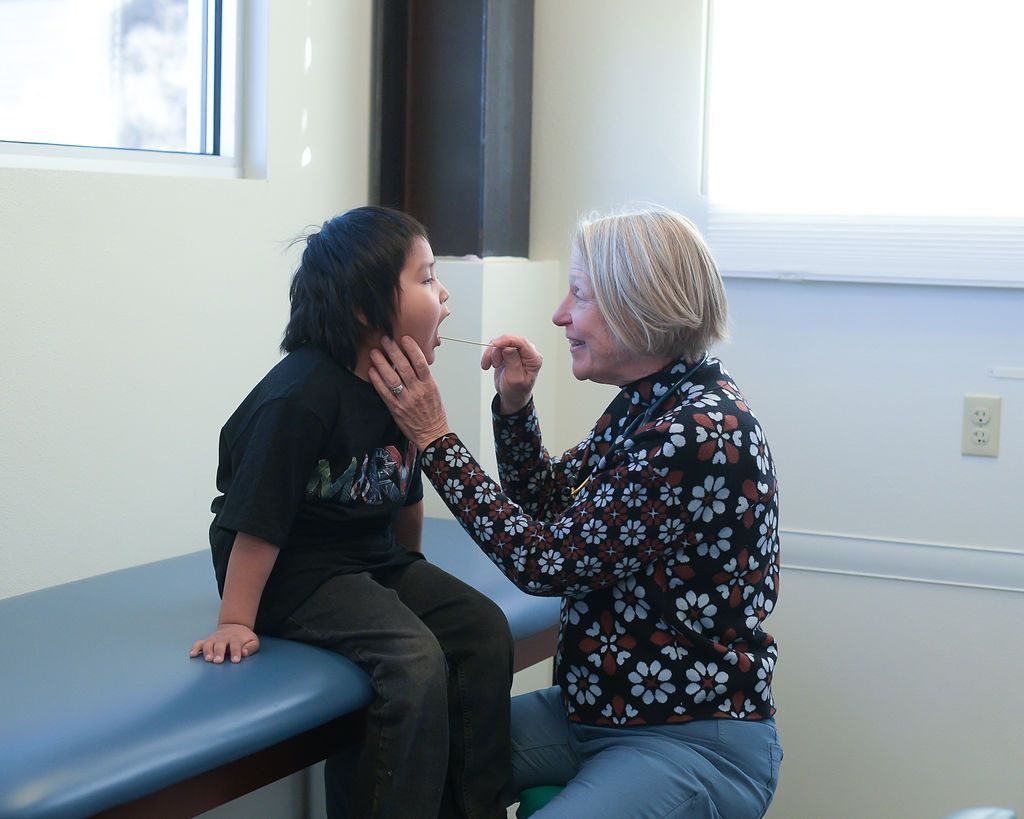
(317, 531)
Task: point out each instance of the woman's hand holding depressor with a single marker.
(516, 363)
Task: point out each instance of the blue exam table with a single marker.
(103, 713)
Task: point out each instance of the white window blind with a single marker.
(877, 140)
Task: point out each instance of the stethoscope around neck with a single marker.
(640, 420)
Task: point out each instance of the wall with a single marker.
(610, 126)
(487, 298)
(892, 693)
(139, 310)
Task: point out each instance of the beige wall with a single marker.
(487, 298)
(138, 310)
(612, 124)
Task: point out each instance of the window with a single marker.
(145, 75)
(873, 140)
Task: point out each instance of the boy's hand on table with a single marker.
(229, 640)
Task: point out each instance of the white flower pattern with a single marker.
(708, 499)
(666, 561)
(651, 682)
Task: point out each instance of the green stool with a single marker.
(533, 799)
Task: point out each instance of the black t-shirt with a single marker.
(312, 462)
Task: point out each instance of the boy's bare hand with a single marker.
(229, 640)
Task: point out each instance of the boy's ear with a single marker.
(361, 318)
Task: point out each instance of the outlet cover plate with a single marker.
(980, 431)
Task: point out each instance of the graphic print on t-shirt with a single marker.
(321, 486)
(383, 476)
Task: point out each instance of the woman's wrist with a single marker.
(511, 407)
(427, 438)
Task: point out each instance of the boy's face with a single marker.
(421, 297)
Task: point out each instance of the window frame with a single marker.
(235, 57)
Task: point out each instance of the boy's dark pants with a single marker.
(439, 656)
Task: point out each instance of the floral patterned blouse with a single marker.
(660, 533)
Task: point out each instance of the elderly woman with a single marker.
(659, 531)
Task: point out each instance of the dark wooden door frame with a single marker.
(451, 120)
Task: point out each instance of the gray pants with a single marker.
(706, 769)
(439, 656)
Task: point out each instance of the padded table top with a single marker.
(100, 703)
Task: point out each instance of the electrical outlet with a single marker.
(980, 434)
(980, 415)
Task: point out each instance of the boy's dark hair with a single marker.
(347, 281)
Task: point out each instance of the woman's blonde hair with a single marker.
(654, 281)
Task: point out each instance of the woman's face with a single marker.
(596, 355)
(421, 299)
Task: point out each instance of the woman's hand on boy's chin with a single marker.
(417, 408)
(229, 640)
